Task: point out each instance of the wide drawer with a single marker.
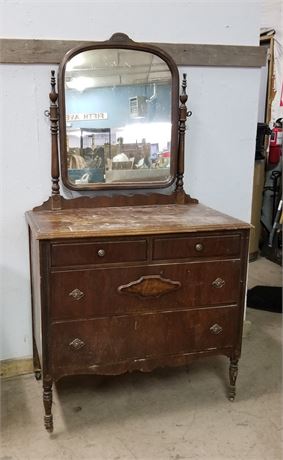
(78, 345)
(196, 246)
(102, 292)
(98, 252)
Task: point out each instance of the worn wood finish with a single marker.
(149, 286)
(47, 401)
(54, 118)
(142, 336)
(133, 282)
(187, 286)
(126, 220)
(35, 304)
(98, 252)
(29, 51)
(198, 246)
(183, 113)
(233, 373)
(98, 327)
(142, 199)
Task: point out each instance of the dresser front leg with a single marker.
(233, 372)
(47, 401)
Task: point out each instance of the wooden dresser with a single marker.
(139, 279)
(126, 288)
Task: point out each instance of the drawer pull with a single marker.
(199, 247)
(76, 344)
(76, 294)
(218, 283)
(216, 329)
(101, 252)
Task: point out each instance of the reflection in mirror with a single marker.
(118, 117)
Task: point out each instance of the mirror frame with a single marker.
(119, 41)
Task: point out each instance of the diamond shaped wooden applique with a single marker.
(150, 286)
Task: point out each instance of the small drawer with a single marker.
(98, 252)
(196, 246)
(78, 345)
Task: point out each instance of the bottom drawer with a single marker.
(78, 345)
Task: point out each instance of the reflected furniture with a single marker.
(134, 280)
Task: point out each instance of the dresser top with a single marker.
(129, 220)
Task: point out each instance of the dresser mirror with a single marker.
(118, 117)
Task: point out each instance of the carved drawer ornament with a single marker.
(76, 294)
(76, 344)
(150, 286)
(218, 283)
(216, 329)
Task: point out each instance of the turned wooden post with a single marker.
(47, 402)
(54, 118)
(233, 373)
(53, 114)
(183, 113)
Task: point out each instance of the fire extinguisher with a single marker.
(275, 145)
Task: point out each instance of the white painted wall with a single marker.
(194, 21)
(220, 144)
(221, 137)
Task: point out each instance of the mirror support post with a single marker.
(54, 118)
(182, 128)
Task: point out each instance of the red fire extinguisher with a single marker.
(275, 145)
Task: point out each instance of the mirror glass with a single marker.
(118, 117)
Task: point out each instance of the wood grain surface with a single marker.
(191, 287)
(124, 221)
(149, 335)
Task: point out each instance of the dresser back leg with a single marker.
(36, 362)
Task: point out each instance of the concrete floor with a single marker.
(171, 414)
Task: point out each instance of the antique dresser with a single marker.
(137, 279)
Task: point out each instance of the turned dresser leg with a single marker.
(233, 372)
(47, 401)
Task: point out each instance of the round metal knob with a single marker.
(101, 252)
(199, 247)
